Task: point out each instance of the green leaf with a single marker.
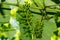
(48, 29)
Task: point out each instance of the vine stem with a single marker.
(31, 6)
(17, 3)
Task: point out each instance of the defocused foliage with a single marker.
(56, 1)
(38, 19)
